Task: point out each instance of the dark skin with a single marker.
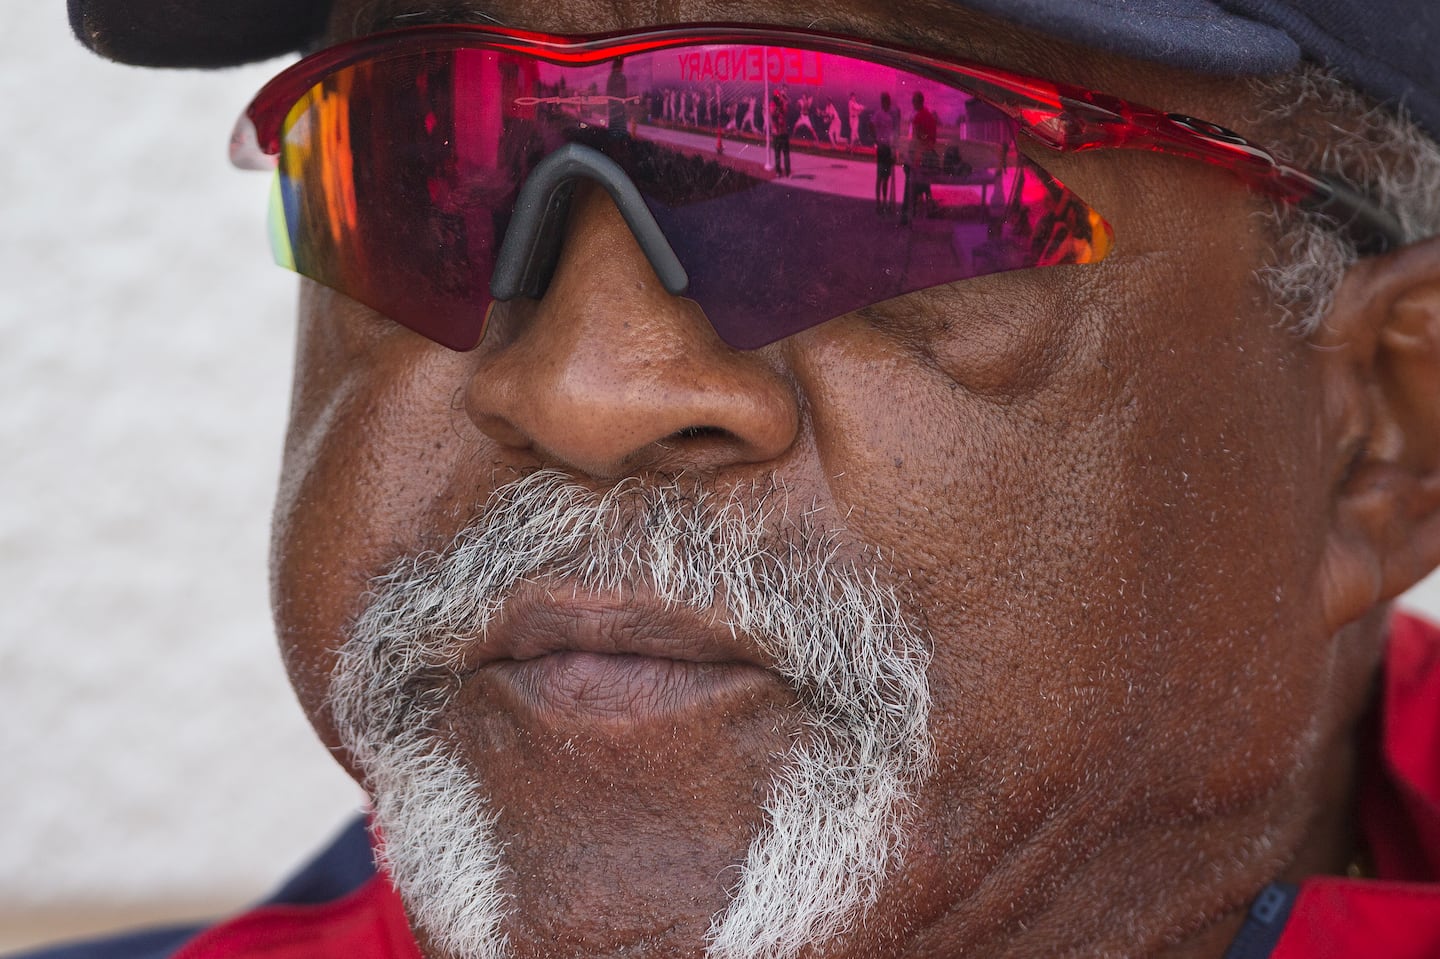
(1150, 534)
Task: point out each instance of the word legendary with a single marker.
(752, 64)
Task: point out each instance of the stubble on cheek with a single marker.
(1100, 525)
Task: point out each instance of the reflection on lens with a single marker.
(794, 185)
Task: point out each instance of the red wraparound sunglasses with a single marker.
(776, 177)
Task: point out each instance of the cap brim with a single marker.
(1197, 35)
(183, 33)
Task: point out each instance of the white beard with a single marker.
(836, 811)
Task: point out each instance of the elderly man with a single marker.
(687, 566)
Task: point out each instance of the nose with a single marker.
(608, 374)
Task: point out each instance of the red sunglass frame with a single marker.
(1059, 116)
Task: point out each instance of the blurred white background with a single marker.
(154, 764)
(153, 760)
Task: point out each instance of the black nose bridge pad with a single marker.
(531, 249)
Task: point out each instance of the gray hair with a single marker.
(1329, 127)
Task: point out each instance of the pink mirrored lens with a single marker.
(795, 186)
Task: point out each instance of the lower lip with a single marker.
(593, 688)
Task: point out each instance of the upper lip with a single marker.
(539, 621)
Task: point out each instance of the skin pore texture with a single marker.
(1142, 533)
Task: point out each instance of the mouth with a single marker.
(586, 661)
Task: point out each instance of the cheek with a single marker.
(1106, 515)
(372, 459)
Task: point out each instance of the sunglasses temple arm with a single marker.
(1373, 229)
(531, 248)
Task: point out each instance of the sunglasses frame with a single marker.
(1058, 116)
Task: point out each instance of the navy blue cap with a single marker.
(1386, 48)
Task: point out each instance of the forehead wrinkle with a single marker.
(376, 16)
(939, 26)
(920, 28)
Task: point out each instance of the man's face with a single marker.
(1092, 498)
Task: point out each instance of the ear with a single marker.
(1381, 359)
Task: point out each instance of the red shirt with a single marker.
(925, 128)
(1396, 916)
